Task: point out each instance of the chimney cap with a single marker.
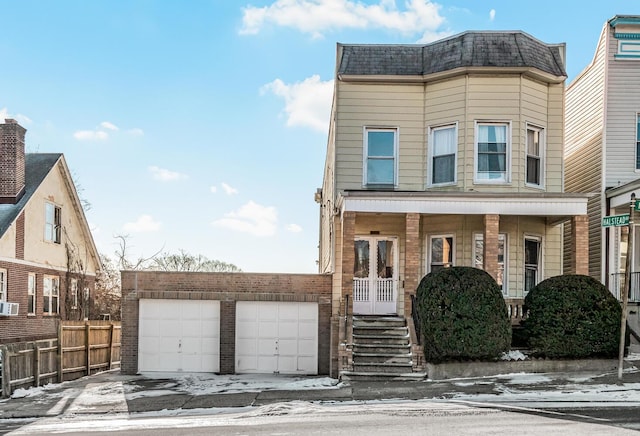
(10, 121)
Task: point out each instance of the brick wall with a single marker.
(580, 244)
(227, 288)
(12, 175)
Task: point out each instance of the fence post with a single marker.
(111, 330)
(60, 356)
(36, 364)
(87, 344)
(6, 374)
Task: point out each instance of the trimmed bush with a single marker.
(463, 315)
(572, 316)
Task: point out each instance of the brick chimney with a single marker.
(12, 174)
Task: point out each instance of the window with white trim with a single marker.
(74, 293)
(492, 153)
(52, 223)
(532, 255)
(478, 257)
(442, 155)
(3, 284)
(535, 156)
(31, 294)
(51, 295)
(380, 149)
(440, 252)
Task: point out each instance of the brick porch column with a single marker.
(580, 244)
(490, 249)
(348, 255)
(411, 259)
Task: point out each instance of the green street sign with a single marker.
(637, 205)
(615, 220)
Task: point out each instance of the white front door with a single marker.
(375, 275)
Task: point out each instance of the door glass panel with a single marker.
(385, 259)
(361, 264)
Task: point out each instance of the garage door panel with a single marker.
(288, 347)
(268, 329)
(308, 311)
(288, 329)
(267, 364)
(307, 330)
(266, 346)
(307, 347)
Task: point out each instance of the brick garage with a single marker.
(228, 288)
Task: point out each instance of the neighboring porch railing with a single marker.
(515, 309)
(618, 286)
(384, 289)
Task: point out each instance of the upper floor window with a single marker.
(532, 245)
(3, 284)
(478, 257)
(380, 147)
(51, 295)
(440, 252)
(31, 294)
(535, 151)
(442, 158)
(638, 141)
(492, 152)
(52, 223)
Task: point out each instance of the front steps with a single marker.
(381, 350)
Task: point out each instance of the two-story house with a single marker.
(449, 153)
(602, 153)
(48, 260)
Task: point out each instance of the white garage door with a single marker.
(179, 335)
(276, 337)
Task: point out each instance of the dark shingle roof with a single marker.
(469, 49)
(37, 166)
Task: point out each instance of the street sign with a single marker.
(615, 220)
(637, 205)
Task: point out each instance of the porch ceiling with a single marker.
(556, 207)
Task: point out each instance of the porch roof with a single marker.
(557, 207)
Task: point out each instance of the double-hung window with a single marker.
(535, 153)
(380, 149)
(532, 245)
(492, 153)
(74, 293)
(442, 160)
(51, 295)
(638, 141)
(3, 284)
(478, 257)
(52, 223)
(31, 294)
(440, 252)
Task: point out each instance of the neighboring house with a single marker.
(48, 259)
(602, 151)
(449, 153)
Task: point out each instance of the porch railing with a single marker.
(617, 286)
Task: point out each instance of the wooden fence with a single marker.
(81, 348)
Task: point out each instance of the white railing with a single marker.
(385, 290)
(361, 290)
(618, 286)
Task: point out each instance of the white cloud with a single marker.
(165, 175)
(135, 132)
(307, 103)
(21, 119)
(91, 135)
(317, 16)
(144, 223)
(109, 126)
(250, 218)
(492, 14)
(294, 228)
(229, 190)
(213, 189)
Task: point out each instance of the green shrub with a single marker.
(572, 316)
(463, 315)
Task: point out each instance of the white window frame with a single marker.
(365, 155)
(3, 284)
(73, 288)
(31, 294)
(429, 241)
(476, 161)
(542, 144)
(431, 155)
(539, 272)
(504, 265)
(52, 222)
(51, 293)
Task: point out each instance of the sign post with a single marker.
(627, 286)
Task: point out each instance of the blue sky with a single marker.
(202, 125)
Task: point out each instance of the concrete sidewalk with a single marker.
(112, 393)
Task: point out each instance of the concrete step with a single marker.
(372, 359)
(382, 321)
(380, 339)
(383, 367)
(382, 348)
(380, 330)
(381, 376)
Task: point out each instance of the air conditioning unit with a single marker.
(9, 309)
